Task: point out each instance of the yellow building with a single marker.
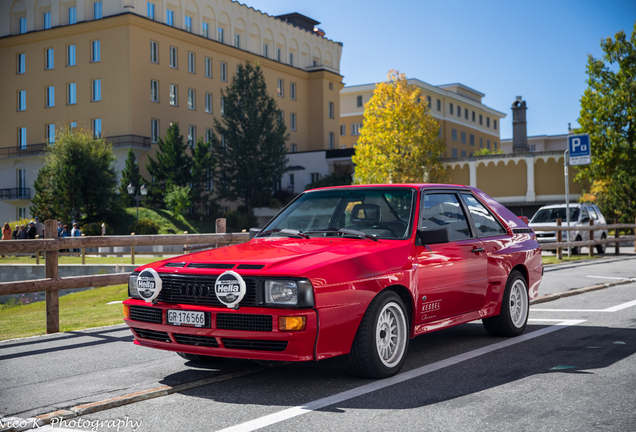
(467, 125)
(127, 69)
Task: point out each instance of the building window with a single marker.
(358, 101)
(355, 128)
(21, 213)
(292, 121)
(50, 97)
(330, 86)
(72, 125)
(21, 100)
(473, 115)
(471, 139)
(188, 24)
(331, 110)
(294, 148)
(150, 10)
(95, 51)
(315, 177)
(22, 140)
(50, 133)
(459, 111)
(279, 89)
(21, 63)
(488, 144)
(208, 135)
(154, 91)
(97, 128)
(463, 137)
(173, 57)
(208, 67)
(237, 40)
(154, 130)
(454, 134)
(205, 30)
(487, 121)
(221, 35)
(72, 15)
(463, 153)
(97, 90)
(481, 143)
(450, 108)
(191, 62)
(292, 91)
(332, 140)
(49, 59)
(533, 147)
(97, 10)
(291, 59)
(154, 52)
(21, 181)
(429, 100)
(281, 117)
(439, 105)
(343, 130)
(170, 17)
(71, 96)
(278, 54)
(70, 55)
(46, 20)
(208, 103)
(223, 71)
(222, 107)
(265, 50)
(495, 145)
(22, 24)
(191, 102)
(454, 152)
(173, 95)
(494, 124)
(192, 135)
(481, 119)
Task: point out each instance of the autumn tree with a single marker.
(399, 140)
(249, 141)
(608, 114)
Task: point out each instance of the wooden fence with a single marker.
(51, 245)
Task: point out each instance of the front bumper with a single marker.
(246, 333)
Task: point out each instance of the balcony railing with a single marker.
(15, 193)
(37, 149)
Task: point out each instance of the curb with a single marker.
(577, 291)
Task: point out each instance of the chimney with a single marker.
(519, 129)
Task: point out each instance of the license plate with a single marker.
(186, 318)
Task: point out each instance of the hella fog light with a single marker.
(281, 292)
(132, 286)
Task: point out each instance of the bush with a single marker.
(144, 226)
(94, 229)
(235, 221)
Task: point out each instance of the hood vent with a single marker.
(175, 264)
(211, 266)
(250, 266)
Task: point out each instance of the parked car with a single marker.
(580, 215)
(354, 270)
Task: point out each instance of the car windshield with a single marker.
(552, 214)
(384, 213)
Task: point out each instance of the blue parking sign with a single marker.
(580, 149)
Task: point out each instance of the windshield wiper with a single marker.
(289, 232)
(344, 231)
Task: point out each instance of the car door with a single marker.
(450, 275)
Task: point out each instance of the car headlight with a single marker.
(288, 292)
(132, 286)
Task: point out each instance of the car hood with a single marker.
(286, 256)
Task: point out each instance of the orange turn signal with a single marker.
(126, 312)
(292, 323)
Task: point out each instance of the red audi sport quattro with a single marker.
(355, 270)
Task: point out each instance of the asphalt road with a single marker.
(573, 369)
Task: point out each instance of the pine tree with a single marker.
(202, 172)
(172, 167)
(251, 140)
(130, 175)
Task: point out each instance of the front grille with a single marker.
(152, 334)
(145, 314)
(211, 266)
(250, 266)
(227, 321)
(253, 344)
(199, 290)
(205, 341)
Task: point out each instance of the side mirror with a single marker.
(432, 236)
(253, 232)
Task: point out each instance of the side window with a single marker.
(444, 211)
(593, 214)
(487, 224)
(584, 214)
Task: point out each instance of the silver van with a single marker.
(580, 215)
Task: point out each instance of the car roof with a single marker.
(420, 186)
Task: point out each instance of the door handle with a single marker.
(477, 250)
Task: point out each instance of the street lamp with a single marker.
(137, 198)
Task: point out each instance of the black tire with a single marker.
(576, 250)
(196, 357)
(386, 311)
(601, 248)
(513, 317)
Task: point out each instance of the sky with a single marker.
(535, 49)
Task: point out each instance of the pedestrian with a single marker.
(76, 232)
(22, 234)
(16, 231)
(32, 231)
(6, 233)
(39, 227)
(65, 233)
(59, 228)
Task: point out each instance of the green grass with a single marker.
(78, 310)
(552, 259)
(78, 260)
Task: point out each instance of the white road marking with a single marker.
(609, 309)
(287, 414)
(546, 319)
(607, 277)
